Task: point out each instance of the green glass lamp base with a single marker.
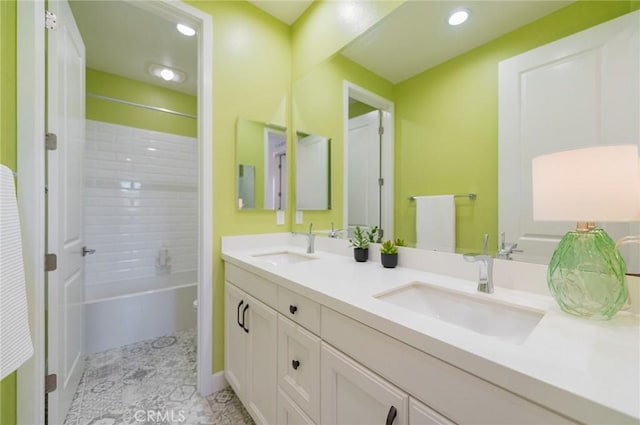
(586, 275)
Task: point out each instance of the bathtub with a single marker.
(124, 312)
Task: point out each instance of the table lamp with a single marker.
(586, 274)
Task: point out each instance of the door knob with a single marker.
(86, 251)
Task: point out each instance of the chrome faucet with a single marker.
(506, 249)
(311, 238)
(334, 233)
(485, 275)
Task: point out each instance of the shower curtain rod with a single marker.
(140, 105)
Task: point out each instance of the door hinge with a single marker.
(381, 130)
(50, 262)
(50, 383)
(380, 182)
(51, 141)
(50, 20)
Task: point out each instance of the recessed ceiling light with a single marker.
(458, 17)
(186, 30)
(166, 73)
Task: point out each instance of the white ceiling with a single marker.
(122, 38)
(416, 36)
(288, 11)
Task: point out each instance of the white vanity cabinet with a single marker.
(351, 394)
(290, 360)
(251, 352)
(299, 366)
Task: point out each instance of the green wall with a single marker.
(104, 84)
(252, 80)
(8, 154)
(447, 123)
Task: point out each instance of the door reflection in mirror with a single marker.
(313, 172)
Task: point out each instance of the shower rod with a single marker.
(140, 105)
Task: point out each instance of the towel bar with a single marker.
(471, 196)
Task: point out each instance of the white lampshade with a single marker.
(600, 183)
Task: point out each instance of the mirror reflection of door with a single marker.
(275, 190)
(364, 157)
(368, 160)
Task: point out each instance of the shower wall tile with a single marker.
(140, 192)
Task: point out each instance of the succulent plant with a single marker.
(360, 240)
(388, 247)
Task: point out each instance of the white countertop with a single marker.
(565, 362)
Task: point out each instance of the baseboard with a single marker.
(213, 383)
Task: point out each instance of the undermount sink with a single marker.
(284, 257)
(504, 321)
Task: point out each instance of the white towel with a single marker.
(436, 223)
(15, 338)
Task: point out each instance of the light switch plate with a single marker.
(299, 218)
(279, 217)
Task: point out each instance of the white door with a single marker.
(351, 394)
(364, 171)
(65, 118)
(261, 325)
(580, 91)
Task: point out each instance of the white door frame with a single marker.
(31, 178)
(387, 153)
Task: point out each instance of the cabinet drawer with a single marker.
(299, 366)
(289, 413)
(351, 394)
(254, 285)
(300, 309)
(453, 392)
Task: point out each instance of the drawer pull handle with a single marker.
(244, 311)
(238, 315)
(391, 416)
(295, 364)
(293, 309)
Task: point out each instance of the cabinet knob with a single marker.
(391, 416)
(295, 364)
(293, 309)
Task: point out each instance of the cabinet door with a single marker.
(289, 413)
(235, 341)
(421, 414)
(299, 366)
(261, 326)
(354, 395)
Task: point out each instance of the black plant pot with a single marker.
(361, 254)
(389, 261)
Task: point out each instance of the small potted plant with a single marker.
(389, 254)
(360, 244)
(375, 235)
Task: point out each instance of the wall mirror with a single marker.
(261, 165)
(446, 96)
(313, 172)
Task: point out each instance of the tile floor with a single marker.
(150, 382)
